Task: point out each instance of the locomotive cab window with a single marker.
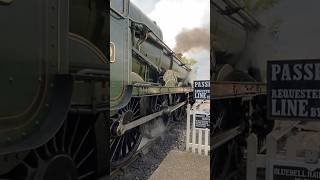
(121, 6)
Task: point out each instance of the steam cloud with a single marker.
(196, 38)
(285, 35)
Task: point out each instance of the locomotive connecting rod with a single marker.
(122, 128)
(224, 137)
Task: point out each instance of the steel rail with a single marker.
(116, 171)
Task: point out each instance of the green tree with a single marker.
(188, 61)
(255, 6)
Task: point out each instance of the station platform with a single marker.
(179, 165)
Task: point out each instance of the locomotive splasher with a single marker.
(54, 53)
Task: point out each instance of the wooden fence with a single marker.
(197, 139)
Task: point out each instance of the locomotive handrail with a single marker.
(145, 84)
(243, 14)
(161, 43)
(146, 59)
(233, 7)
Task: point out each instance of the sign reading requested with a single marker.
(202, 120)
(291, 170)
(201, 89)
(294, 89)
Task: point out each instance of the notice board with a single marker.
(201, 89)
(293, 89)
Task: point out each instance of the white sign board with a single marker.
(292, 170)
(202, 120)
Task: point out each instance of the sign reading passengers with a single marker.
(201, 89)
(294, 89)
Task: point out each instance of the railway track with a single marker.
(143, 149)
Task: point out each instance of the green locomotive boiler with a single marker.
(147, 79)
(54, 98)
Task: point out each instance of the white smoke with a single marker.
(174, 16)
(147, 5)
(288, 32)
(154, 128)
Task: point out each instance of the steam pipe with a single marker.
(244, 15)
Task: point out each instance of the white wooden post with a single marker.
(291, 148)
(206, 139)
(200, 142)
(194, 133)
(188, 128)
(196, 143)
(272, 145)
(252, 149)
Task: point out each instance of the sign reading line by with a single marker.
(201, 89)
(294, 89)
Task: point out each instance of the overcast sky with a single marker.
(175, 15)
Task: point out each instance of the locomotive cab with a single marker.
(120, 6)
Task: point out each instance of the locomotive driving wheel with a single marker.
(123, 147)
(69, 155)
(226, 161)
(159, 103)
(180, 113)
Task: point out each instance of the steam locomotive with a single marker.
(54, 120)
(238, 94)
(148, 80)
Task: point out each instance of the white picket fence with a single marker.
(197, 139)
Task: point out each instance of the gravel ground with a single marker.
(142, 168)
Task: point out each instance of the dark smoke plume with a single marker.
(197, 38)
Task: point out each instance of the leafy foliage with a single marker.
(188, 61)
(258, 5)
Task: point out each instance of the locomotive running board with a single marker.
(140, 90)
(230, 89)
(122, 128)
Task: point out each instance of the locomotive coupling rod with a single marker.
(122, 128)
(222, 138)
